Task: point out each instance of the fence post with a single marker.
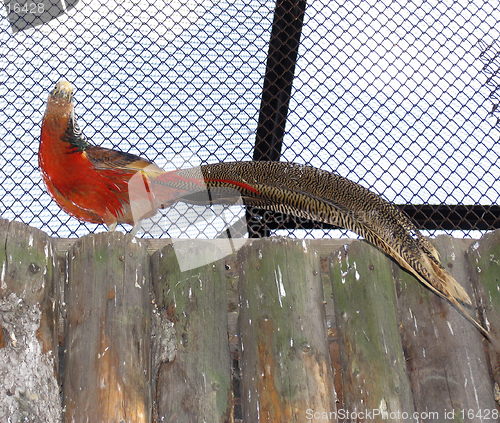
(29, 312)
(483, 258)
(107, 365)
(285, 360)
(373, 365)
(196, 385)
(447, 366)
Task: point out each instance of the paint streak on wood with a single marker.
(333, 342)
(333, 339)
(273, 408)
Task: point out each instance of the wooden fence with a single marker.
(107, 328)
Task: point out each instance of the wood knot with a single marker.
(34, 268)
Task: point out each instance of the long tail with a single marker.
(311, 193)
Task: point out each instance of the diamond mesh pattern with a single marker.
(398, 96)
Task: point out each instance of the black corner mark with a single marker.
(24, 14)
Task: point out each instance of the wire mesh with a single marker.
(398, 96)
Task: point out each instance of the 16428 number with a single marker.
(31, 7)
(479, 414)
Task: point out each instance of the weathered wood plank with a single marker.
(285, 362)
(29, 310)
(107, 365)
(196, 385)
(373, 365)
(484, 267)
(29, 271)
(445, 356)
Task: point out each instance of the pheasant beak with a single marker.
(62, 91)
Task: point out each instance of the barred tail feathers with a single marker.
(308, 192)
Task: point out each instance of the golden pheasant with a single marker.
(93, 184)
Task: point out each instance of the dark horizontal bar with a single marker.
(454, 217)
(425, 216)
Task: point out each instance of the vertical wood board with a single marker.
(376, 387)
(285, 362)
(107, 367)
(484, 267)
(29, 311)
(445, 353)
(196, 385)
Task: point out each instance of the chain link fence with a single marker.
(398, 96)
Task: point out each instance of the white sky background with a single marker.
(389, 94)
(393, 93)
